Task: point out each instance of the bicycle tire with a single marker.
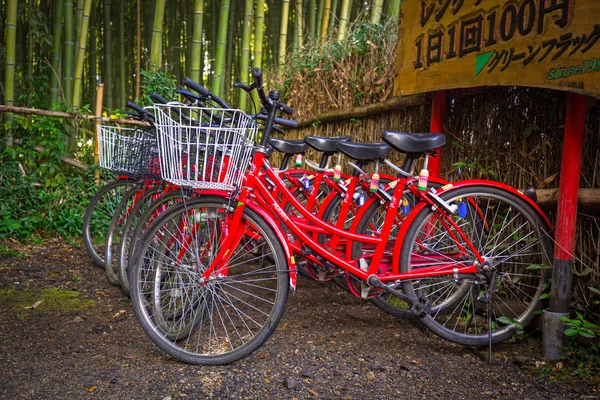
(115, 234)
(127, 238)
(517, 246)
(221, 298)
(98, 215)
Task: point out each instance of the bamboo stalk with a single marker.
(258, 40)
(325, 24)
(85, 20)
(299, 23)
(217, 85)
(344, 17)
(376, 11)
(56, 36)
(245, 54)
(285, 10)
(138, 62)
(197, 40)
(157, 33)
(107, 72)
(68, 55)
(9, 74)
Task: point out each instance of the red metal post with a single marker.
(562, 275)
(567, 203)
(438, 108)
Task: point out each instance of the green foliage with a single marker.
(161, 82)
(39, 193)
(579, 327)
(583, 350)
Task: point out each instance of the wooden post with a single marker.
(98, 117)
(438, 108)
(562, 275)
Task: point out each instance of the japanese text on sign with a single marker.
(447, 44)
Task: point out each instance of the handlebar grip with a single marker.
(196, 86)
(137, 108)
(287, 109)
(189, 95)
(257, 75)
(286, 122)
(158, 98)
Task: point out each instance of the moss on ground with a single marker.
(52, 300)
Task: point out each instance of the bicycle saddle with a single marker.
(288, 146)
(364, 151)
(325, 144)
(413, 142)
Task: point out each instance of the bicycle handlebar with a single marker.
(197, 87)
(279, 121)
(189, 95)
(207, 94)
(137, 108)
(158, 98)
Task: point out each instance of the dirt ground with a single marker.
(83, 341)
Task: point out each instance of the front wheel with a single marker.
(228, 316)
(514, 243)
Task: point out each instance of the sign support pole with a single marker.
(438, 109)
(560, 295)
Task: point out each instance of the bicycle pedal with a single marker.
(322, 276)
(365, 291)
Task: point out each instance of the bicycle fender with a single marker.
(498, 185)
(449, 187)
(282, 238)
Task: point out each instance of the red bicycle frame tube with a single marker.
(253, 186)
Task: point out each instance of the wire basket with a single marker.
(129, 151)
(204, 148)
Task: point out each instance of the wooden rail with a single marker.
(62, 114)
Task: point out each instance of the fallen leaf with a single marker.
(36, 304)
(91, 389)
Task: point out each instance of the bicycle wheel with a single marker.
(516, 246)
(150, 215)
(98, 215)
(231, 314)
(114, 234)
(125, 246)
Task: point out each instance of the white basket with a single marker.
(128, 151)
(204, 148)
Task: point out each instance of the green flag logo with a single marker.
(482, 60)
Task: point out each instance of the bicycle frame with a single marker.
(254, 187)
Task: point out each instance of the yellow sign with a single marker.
(446, 44)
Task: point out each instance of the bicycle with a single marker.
(204, 297)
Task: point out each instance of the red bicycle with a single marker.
(211, 278)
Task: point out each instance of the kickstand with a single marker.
(490, 307)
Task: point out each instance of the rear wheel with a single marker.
(514, 242)
(230, 315)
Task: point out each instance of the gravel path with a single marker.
(328, 346)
